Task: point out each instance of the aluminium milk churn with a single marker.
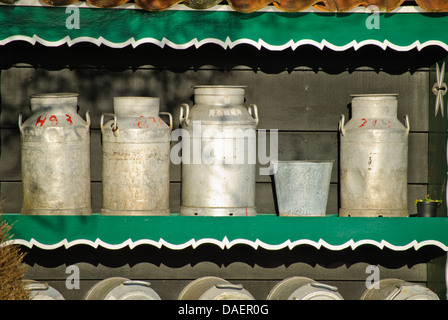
(303, 288)
(214, 288)
(398, 289)
(218, 153)
(41, 291)
(136, 158)
(374, 158)
(55, 157)
(118, 288)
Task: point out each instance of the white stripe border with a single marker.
(227, 44)
(226, 244)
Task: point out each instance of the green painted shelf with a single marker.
(404, 29)
(267, 231)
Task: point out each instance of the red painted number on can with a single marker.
(364, 123)
(69, 119)
(40, 121)
(142, 122)
(53, 120)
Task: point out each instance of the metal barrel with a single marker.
(118, 288)
(214, 288)
(136, 158)
(303, 288)
(218, 153)
(374, 158)
(55, 157)
(397, 289)
(42, 291)
(302, 187)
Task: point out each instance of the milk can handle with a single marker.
(323, 286)
(37, 286)
(394, 293)
(255, 115)
(406, 121)
(229, 286)
(136, 282)
(341, 125)
(187, 114)
(171, 118)
(20, 123)
(88, 118)
(115, 127)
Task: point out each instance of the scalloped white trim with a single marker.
(226, 244)
(227, 44)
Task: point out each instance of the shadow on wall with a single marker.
(90, 55)
(238, 253)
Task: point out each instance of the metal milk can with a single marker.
(214, 288)
(218, 153)
(118, 288)
(42, 291)
(374, 158)
(136, 158)
(397, 289)
(55, 157)
(303, 288)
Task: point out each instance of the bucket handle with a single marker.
(20, 123)
(171, 118)
(341, 125)
(115, 127)
(187, 114)
(255, 115)
(406, 121)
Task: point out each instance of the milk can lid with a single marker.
(54, 95)
(219, 89)
(374, 95)
(138, 106)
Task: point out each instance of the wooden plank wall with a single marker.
(301, 93)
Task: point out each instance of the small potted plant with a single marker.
(427, 207)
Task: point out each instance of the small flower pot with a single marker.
(427, 208)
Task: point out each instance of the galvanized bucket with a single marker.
(302, 187)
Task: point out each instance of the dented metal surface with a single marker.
(374, 159)
(302, 187)
(55, 157)
(136, 158)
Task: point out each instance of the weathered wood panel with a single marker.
(351, 281)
